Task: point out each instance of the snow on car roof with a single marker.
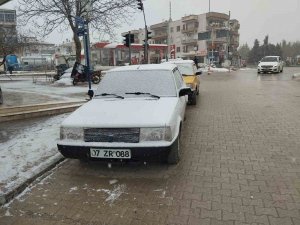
(179, 61)
(169, 67)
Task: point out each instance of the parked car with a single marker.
(136, 113)
(190, 74)
(272, 64)
(1, 96)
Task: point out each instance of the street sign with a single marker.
(80, 24)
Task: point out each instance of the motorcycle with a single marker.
(79, 74)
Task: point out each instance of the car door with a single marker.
(182, 101)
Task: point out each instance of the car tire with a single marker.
(258, 72)
(281, 70)
(174, 154)
(1, 97)
(194, 99)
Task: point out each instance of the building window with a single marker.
(221, 33)
(204, 36)
(178, 49)
(1, 17)
(178, 28)
(172, 29)
(10, 18)
(183, 27)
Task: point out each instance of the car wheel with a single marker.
(281, 70)
(258, 71)
(194, 99)
(174, 155)
(1, 97)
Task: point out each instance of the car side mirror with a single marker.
(90, 93)
(185, 91)
(198, 73)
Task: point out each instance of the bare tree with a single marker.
(48, 15)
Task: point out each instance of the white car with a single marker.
(136, 114)
(272, 64)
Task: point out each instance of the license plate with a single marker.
(110, 153)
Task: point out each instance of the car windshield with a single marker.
(158, 82)
(270, 59)
(185, 69)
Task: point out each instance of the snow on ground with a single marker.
(27, 154)
(205, 69)
(247, 68)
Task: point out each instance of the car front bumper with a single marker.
(271, 70)
(137, 153)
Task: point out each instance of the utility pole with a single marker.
(141, 7)
(208, 5)
(168, 34)
(129, 48)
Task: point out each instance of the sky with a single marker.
(258, 18)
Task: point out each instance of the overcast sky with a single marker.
(280, 19)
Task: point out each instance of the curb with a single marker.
(7, 197)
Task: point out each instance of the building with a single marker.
(8, 31)
(210, 37)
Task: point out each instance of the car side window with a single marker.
(178, 78)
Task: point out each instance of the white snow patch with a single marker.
(215, 69)
(29, 152)
(7, 213)
(114, 194)
(73, 189)
(64, 81)
(114, 181)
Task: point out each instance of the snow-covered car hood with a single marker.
(128, 112)
(268, 64)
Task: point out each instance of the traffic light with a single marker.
(149, 35)
(140, 5)
(129, 39)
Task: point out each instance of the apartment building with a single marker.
(8, 31)
(210, 37)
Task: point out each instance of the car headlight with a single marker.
(155, 134)
(275, 66)
(71, 133)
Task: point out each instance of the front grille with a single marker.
(267, 67)
(127, 135)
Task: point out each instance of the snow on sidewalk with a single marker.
(28, 153)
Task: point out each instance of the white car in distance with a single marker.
(272, 64)
(136, 114)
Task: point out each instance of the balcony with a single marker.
(189, 41)
(160, 36)
(189, 30)
(218, 16)
(163, 25)
(189, 18)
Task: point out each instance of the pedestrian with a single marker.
(196, 61)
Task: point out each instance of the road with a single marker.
(240, 165)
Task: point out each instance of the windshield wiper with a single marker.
(143, 93)
(108, 94)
